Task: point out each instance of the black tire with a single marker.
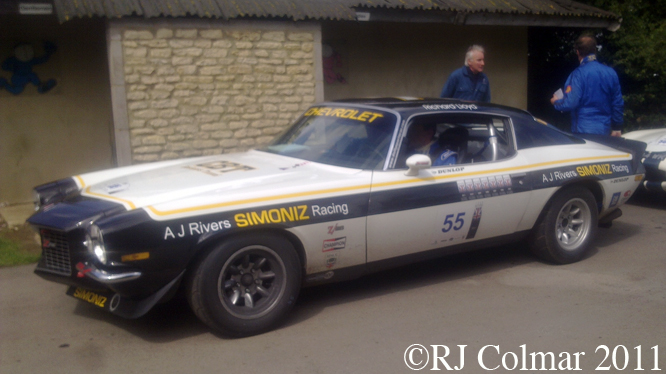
(567, 227)
(246, 285)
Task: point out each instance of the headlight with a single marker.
(95, 243)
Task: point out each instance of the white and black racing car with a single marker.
(351, 187)
(654, 158)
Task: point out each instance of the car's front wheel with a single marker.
(566, 229)
(246, 285)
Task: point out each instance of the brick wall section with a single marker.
(193, 92)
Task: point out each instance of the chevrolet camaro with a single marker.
(352, 187)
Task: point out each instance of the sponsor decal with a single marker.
(450, 107)
(334, 228)
(603, 169)
(195, 228)
(476, 219)
(620, 180)
(296, 165)
(330, 209)
(217, 168)
(334, 244)
(451, 170)
(558, 176)
(478, 188)
(331, 260)
(135, 257)
(660, 156)
(277, 215)
(366, 116)
(116, 187)
(90, 297)
(320, 277)
(627, 194)
(614, 200)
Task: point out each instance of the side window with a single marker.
(455, 138)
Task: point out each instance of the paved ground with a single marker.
(501, 297)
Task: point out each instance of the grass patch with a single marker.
(11, 254)
(18, 246)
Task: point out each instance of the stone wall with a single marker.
(194, 91)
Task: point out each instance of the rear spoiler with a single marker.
(635, 147)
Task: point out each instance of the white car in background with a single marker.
(654, 158)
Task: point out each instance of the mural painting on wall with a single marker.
(20, 64)
(332, 63)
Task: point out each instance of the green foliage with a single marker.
(638, 52)
(11, 254)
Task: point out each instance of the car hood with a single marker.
(186, 187)
(655, 139)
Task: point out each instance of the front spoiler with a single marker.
(121, 305)
(93, 286)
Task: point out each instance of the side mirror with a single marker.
(417, 162)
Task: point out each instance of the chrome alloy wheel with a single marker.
(573, 224)
(251, 282)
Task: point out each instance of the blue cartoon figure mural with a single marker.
(20, 65)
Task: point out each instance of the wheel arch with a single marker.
(590, 184)
(595, 187)
(206, 244)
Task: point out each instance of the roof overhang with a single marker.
(563, 13)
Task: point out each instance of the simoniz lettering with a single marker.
(603, 169)
(277, 215)
(90, 297)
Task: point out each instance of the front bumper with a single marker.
(655, 167)
(127, 291)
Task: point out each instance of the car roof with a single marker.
(408, 106)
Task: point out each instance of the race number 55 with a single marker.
(456, 225)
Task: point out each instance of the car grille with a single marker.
(55, 252)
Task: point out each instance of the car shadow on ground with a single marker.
(648, 199)
(174, 320)
(445, 269)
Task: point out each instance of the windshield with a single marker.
(342, 136)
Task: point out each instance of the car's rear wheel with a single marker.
(246, 285)
(567, 227)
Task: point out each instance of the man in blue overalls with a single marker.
(469, 82)
(592, 94)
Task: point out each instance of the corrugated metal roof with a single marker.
(313, 9)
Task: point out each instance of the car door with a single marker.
(482, 195)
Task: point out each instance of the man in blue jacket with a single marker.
(469, 82)
(592, 94)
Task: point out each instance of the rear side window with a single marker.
(530, 134)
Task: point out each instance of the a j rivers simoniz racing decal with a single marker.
(289, 215)
(607, 170)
